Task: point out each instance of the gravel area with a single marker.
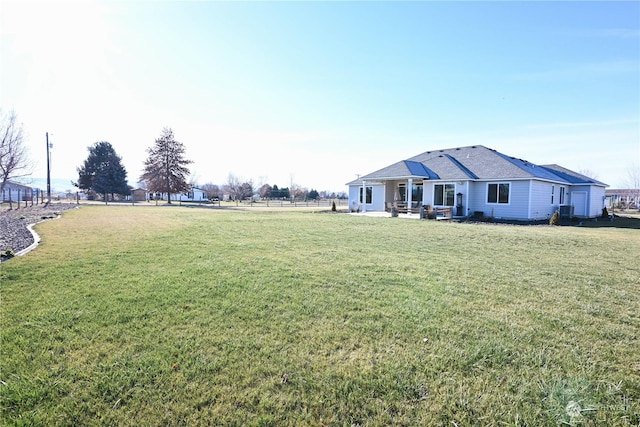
(14, 234)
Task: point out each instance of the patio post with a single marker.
(364, 196)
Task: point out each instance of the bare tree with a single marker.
(233, 186)
(297, 191)
(14, 157)
(247, 190)
(633, 182)
(265, 191)
(588, 173)
(633, 177)
(213, 191)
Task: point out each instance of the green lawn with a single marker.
(187, 316)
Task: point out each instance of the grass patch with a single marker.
(182, 316)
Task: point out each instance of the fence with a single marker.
(31, 197)
(28, 196)
(301, 203)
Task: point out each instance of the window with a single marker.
(369, 194)
(402, 192)
(498, 193)
(416, 193)
(562, 195)
(443, 194)
(553, 190)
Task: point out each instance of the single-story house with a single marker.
(193, 195)
(477, 180)
(14, 191)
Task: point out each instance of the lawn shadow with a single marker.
(617, 221)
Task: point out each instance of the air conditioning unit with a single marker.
(566, 211)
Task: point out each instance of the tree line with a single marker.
(102, 174)
(165, 169)
(237, 190)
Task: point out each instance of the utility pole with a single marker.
(48, 172)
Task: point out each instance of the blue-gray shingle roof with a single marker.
(474, 162)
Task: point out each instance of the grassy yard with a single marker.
(186, 316)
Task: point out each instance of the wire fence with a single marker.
(23, 198)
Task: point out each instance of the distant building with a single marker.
(14, 191)
(139, 194)
(193, 195)
(626, 197)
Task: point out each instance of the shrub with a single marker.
(605, 212)
(333, 206)
(555, 218)
(9, 253)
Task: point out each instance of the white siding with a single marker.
(477, 198)
(427, 193)
(377, 198)
(517, 208)
(595, 199)
(541, 207)
(354, 194)
(196, 194)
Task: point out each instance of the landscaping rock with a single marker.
(14, 234)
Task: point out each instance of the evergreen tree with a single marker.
(313, 194)
(113, 180)
(102, 171)
(165, 169)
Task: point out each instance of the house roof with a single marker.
(631, 192)
(571, 176)
(474, 162)
(16, 185)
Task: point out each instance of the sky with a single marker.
(317, 93)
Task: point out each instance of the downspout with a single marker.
(409, 196)
(530, 198)
(466, 197)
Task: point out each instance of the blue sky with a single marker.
(317, 92)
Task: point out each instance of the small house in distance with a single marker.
(16, 192)
(477, 180)
(192, 195)
(139, 194)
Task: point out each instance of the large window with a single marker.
(498, 193)
(369, 193)
(443, 194)
(402, 192)
(416, 193)
(561, 195)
